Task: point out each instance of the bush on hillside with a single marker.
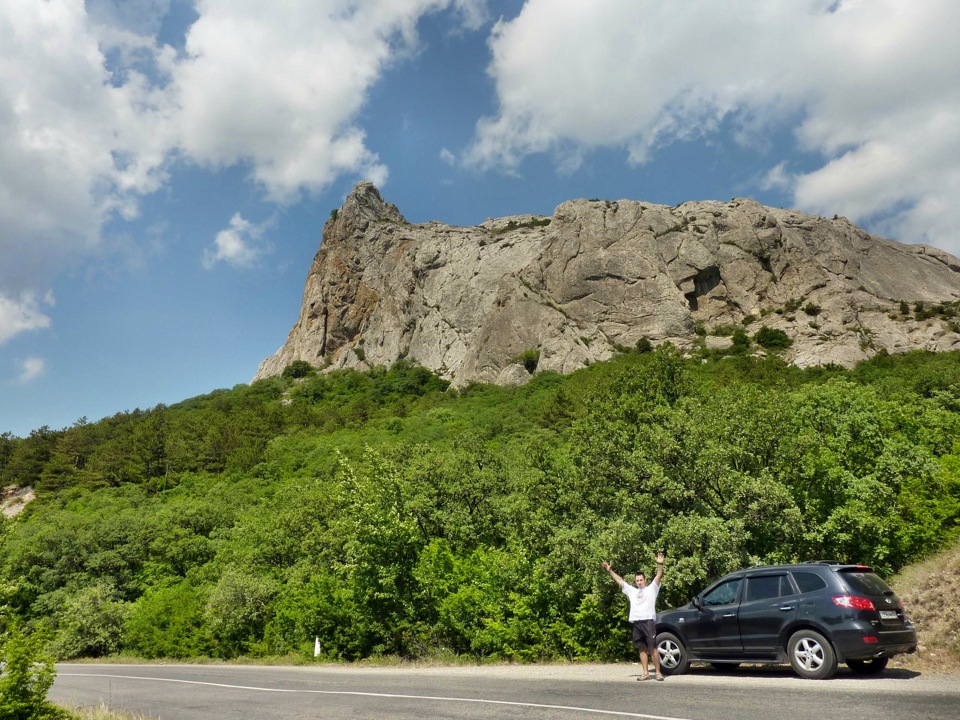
(387, 515)
(772, 338)
(28, 674)
(298, 369)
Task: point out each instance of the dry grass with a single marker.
(102, 712)
(930, 591)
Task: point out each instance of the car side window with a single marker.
(808, 581)
(765, 587)
(786, 587)
(723, 594)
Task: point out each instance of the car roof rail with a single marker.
(824, 562)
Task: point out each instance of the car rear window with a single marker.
(808, 581)
(868, 583)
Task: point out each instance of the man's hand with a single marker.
(610, 570)
(660, 558)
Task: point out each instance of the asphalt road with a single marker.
(574, 692)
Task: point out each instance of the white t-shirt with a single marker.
(643, 603)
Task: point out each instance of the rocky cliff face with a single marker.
(597, 275)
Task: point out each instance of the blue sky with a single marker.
(166, 166)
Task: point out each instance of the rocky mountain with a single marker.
(599, 276)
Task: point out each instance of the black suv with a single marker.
(812, 615)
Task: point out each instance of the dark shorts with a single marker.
(644, 634)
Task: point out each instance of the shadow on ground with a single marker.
(785, 671)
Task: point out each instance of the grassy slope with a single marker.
(930, 590)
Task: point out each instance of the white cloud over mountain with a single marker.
(96, 112)
(93, 109)
(873, 83)
(240, 244)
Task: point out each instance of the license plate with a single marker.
(888, 614)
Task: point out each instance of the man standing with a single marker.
(643, 614)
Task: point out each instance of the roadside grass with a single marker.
(102, 712)
(929, 590)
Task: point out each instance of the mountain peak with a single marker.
(364, 205)
(599, 276)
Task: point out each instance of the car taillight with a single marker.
(870, 639)
(854, 602)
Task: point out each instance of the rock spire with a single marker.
(598, 276)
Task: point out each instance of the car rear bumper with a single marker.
(851, 645)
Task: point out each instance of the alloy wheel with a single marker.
(809, 654)
(670, 654)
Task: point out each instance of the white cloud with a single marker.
(143, 17)
(32, 368)
(238, 245)
(21, 314)
(53, 115)
(281, 84)
(473, 12)
(874, 82)
(93, 109)
(74, 148)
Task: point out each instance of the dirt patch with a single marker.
(929, 590)
(14, 499)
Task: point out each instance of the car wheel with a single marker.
(673, 655)
(811, 655)
(868, 667)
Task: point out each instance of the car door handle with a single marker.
(785, 608)
(730, 615)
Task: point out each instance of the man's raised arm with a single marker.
(606, 566)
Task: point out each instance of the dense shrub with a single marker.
(529, 358)
(28, 674)
(298, 369)
(772, 338)
(383, 513)
(741, 342)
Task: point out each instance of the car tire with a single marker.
(811, 655)
(673, 655)
(873, 666)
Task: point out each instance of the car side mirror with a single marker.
(696, 602)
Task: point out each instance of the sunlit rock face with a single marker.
(599, 276)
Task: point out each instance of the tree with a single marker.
(741, 342)
(28, 674)
(299, 369)
(91, 623)
(29, 456)
(772, 338)
(238, 608)
(167, 622)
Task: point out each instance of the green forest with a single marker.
(390, 515)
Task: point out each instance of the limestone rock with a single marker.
(14, 499)
(600, 275)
